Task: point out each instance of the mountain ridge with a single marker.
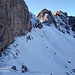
(61, 20)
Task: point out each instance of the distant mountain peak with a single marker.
(44, 11)
(60, 13)
(45, 16)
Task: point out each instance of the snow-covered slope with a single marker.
(45, 51)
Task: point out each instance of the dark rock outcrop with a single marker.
(45, 16)
(72, 22)
(14, 21)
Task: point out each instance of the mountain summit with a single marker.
(45, 16)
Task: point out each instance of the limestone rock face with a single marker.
(14, 21)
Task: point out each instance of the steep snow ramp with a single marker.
(44, 51)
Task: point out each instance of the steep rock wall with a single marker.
(14, 21)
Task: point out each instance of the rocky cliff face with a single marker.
(45, 16)
(14, 21)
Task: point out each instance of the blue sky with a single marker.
(36, 6)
